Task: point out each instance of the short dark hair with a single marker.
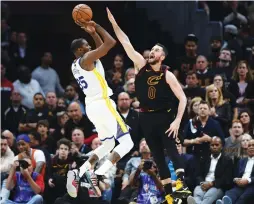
(226, 49)
(204, 103)
(43, 122)
(38, 93)
(77, 43)
(22, 68)
(165, 50)
(191, 72)
(64, 141)
(36, 136)
(213, 38)
(77, 128)
(192, 38)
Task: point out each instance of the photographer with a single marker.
(27, 184)
(127, 192)
(149, 185)
(36, 155)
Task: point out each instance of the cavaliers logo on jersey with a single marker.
(153, 80)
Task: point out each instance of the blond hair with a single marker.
(190, 111)
(220, 100)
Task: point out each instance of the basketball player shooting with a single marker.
(101, 110)
(155, 88)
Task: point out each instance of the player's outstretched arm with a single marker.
(108, 43)
(136, 57)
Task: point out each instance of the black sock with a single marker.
(168, 188)
(180, 176)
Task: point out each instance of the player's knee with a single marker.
(127, 142)
(109, 144)
(130, 143)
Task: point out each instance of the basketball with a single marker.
(82, 11)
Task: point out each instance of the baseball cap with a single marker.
(24, 137)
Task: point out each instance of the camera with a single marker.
(23, 164)
(147, 165)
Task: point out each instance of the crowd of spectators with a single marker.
(45, 131)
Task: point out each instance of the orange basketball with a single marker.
(82, 11)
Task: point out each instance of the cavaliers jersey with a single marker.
(152, 90)
(92, 83)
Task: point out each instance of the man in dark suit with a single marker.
(243, 191)
(215, 175)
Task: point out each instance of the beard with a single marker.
(124, 108)
(216, 49)
(237, 135)
(153, 61)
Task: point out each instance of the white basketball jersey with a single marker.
(93, 82)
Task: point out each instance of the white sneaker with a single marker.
(71, 185)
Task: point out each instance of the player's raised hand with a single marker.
(82, 22)
(111, 17)
(89, 29)
(88, 26)
(174, 127)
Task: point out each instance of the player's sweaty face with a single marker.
(155, 54)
